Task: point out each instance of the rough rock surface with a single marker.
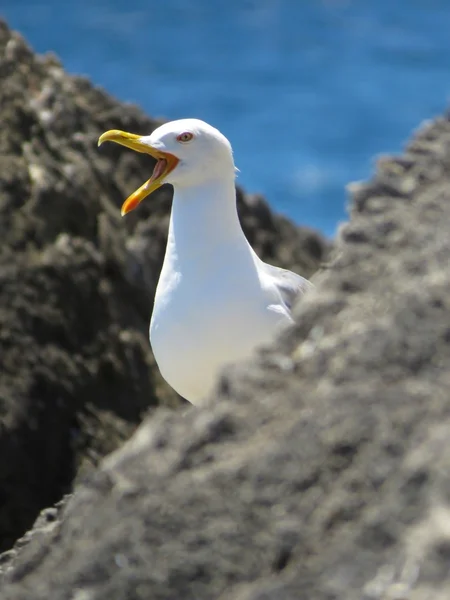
(321, 470)
(77, 281)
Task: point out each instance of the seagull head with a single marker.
(188, 152)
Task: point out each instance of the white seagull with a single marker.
(216, 301)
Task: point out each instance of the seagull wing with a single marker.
(289, 284)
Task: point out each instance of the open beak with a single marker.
(165, 164)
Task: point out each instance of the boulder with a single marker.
(321, 469)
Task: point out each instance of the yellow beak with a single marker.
(165, 164)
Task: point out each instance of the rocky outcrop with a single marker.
(321, 469)
(77, 281)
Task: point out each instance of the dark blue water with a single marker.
(308, 91)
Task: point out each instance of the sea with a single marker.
(309, 92)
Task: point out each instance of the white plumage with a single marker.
(216, 301)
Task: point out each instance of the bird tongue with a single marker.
(159, 169)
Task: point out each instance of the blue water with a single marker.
(308, 91)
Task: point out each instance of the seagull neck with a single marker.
(205, 216)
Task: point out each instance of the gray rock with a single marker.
(321, 469)
(77, 281)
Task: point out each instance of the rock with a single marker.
(77, 281)
(322, 468)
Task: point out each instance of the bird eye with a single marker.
(187, 136)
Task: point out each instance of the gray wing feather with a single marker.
(289, 284)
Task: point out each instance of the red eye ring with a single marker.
(185, 137)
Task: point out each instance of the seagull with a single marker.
(216, 300)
